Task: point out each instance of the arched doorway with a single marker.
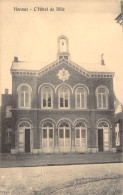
(24, 137)
(103, 136)
(80, 136)
(47, 136)
(64, 137)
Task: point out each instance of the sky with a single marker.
(32, 35)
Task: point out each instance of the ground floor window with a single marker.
(48, 135)
(64, 134)
(80, 135)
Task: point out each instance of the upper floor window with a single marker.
(8, 111)
(64, 97)
(102, 97)
(81, 98)
(47, 97)
(24, 97)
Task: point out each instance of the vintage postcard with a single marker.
(61, 105)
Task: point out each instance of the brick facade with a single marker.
(72, 129)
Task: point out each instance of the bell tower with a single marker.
(63, 48)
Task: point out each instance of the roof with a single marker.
(40, 68)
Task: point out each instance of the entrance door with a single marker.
(27, 140)
(100, 139)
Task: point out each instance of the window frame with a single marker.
(106, 93)
(80, 96)
(51, 93)
(59, 96)
(80, 138)
(47, 138)
(20, 92)
(66, 131)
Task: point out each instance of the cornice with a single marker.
(63, 110)
(38, 73)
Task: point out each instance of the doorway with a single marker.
(100, 139)
(27, 140)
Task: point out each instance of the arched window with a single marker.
(64, 136)
(64, 97)
(24, 97)
(47, 134)
(80, 135)
(102, 97)
(81, 98)
(47, 97)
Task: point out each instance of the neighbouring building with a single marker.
(119, 125)
(119, 106)
(119, 18)
(60, 108)
(6, 122)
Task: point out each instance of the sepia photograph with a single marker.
(61, 97)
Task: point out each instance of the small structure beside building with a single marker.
(6, 123)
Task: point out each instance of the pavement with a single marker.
(33, 160)
(85, 179)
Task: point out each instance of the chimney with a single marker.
(6, 91)
(15, 59)
(102, 60)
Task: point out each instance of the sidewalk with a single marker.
(31, 160)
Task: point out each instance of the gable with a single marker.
(62, 73)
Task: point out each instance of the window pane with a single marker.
(78, 100)
(61, 101)
(77, 133)
(49, 100)
(99, 101)
(80, 90)
(44, 133)
(50, 133)
(26, 99)
(61, 134)
(47, 124)
(67, 133)
(64, 124)
(82, 100)
(104, 100)
(101, 90)
(80, 124)
(83, 133)
(66, 100)
(44, 99)
(22, 99)
(24, 88)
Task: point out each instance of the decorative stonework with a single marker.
(63, 75)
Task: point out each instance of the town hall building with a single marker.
(60, 108)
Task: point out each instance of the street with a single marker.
(63, 180)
